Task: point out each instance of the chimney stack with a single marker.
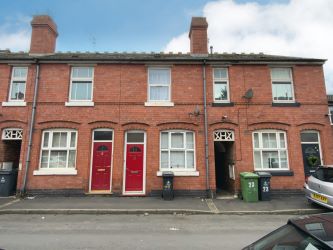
(44, 35)
(198, 35)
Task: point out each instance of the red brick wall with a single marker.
(119, 95)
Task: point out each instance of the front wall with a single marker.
(119, 95)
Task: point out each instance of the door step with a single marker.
(107, 192)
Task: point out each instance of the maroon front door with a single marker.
(134, 168)
(101, 167)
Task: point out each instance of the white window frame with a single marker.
(49, 148)
(283, 80)
(87, 102)
(221, 80)
(21, 79)
(330, 114)
(159, 102)
(180, 171)
(278, 149)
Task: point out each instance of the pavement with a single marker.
(286, 204)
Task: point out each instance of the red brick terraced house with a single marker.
(111, 123)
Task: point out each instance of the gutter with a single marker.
(209, 194)
(31, 130)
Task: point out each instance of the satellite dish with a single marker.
(248, 94)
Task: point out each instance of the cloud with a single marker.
(296, 28)
(15, 33)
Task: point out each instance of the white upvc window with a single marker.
(330, 114)
(270, 150)
(221, 85)
(58, 149)
(177, 150)
(18, 84)
(159, 84)
(81, 86)
(282, 85)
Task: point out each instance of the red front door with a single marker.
(101, 168)
(134, 168)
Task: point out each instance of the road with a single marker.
(134, 231)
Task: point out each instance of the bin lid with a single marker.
(263, 174)
(248, 175)
(167, 173)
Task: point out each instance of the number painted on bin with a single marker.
(265, 189)
(251, 184)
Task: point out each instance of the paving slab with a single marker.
(6, 200)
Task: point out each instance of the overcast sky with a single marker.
(282, 27)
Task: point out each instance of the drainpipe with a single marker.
(206, 128)
(31, 129)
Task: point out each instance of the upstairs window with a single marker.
(159, 81)
(221, 85)
(270, 150)
(18, 84)
(330, 114)
(282, 85)
(81, 84)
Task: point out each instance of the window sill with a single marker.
(286, 104)
(79, 104)
(222, 104)
(278, 172)
(180, 173)
(14, 104)
(159, 104)
(55, 172)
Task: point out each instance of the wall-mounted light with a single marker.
(196, 111)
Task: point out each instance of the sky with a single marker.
(301, 28)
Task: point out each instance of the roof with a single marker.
(113, 57)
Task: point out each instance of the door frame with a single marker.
(92, 154)
(143, 192)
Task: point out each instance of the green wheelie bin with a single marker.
(249, 186)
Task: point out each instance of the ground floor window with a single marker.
(270, 150)
(58, 149)
(177, 150)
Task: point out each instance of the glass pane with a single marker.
(135, 137)
(272, 140)
(103, 135)
(309, 137)
(58, 159)
(18, 91)
(63, 140)
(283, 159)
(177, 140)
(82, 72)
(73, 139)
(159, 93)
(56, 139)
(281, 74)
(189, 140)
(220, 73)
(159, 76)
(20, 72)
(164, 159)
(177, 159)
(71, 159)
(81, 91)
(282, 141)
(45, 159)
(164, 141)
(282, 91)
(220, 91)
(256, 140)
(265, 140)
(270, 159)
(46, 139)
(190, 159)
(257, 160)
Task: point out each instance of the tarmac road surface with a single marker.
(135, 231)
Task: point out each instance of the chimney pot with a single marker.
(43, 36)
